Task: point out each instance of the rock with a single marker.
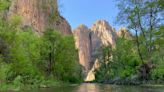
(64, 27)
(43, 86)
(102, 35)
(40, 14)
(83, 44)
(91, 74)
(104, 32)
(123, 32)
(90, 43)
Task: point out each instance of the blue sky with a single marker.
(88, 11)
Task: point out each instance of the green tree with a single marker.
(59, 56)
(143, 17)
(67, 67)
(50, 42)
(121, 65)
(158, 73)
(19, 50)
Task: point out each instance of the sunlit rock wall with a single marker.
(40, 14)
(90, 42)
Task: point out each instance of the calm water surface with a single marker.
(90, 87)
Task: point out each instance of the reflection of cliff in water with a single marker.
(93, 87)
(88, 87)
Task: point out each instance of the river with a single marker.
(92, 87)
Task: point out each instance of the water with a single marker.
(91, 87)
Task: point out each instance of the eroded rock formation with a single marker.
(90, 42)
(83, 43)
(40, 14)
(104, 32)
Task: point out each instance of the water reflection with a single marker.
(88, 87)
(91, 87)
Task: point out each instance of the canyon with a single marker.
(43, 14)
(39, 51)
(90, 43)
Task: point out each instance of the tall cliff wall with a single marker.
(102, 34)
(83, 43)
(40, 14)
(89, 42)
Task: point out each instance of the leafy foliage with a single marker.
(67, 55)
(60, 56)
(141, 57)
(27, 59)
(144, 19)
(122, 65)
(4, 4)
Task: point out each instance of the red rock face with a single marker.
(40, 14)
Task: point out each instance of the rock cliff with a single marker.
(83, 43)
(104, 32)
(89, 42)
(40, 14)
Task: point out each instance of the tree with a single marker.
(104, 72)
(67, 67)
(158, 73)
(50, 42)
(19, 52)
(144, 18)
(59, 56)
(123, 64)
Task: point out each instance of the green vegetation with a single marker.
(27, 59)
(140, 59)
(31, 61)
(122, 65)
(59, 56)
(4, 4)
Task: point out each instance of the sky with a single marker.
(87, 12)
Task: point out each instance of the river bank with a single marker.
(19, 86)
(96, 87)
(58, 86)
(134, 82)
